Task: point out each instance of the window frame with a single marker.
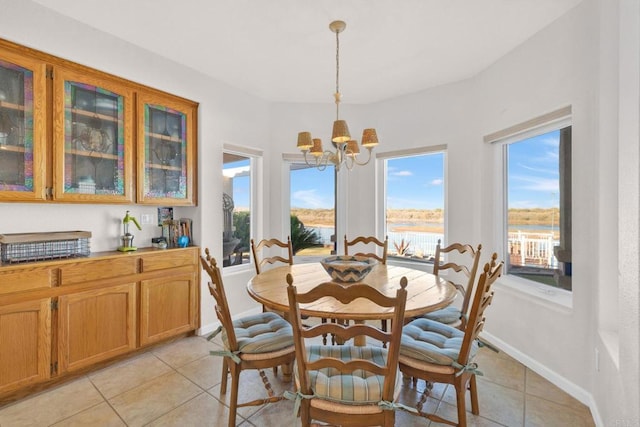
(555, 120)
(255, 199)
(381, 195)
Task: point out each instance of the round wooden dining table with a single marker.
(425, 291)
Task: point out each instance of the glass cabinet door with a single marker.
(92, 139)
(166, 152)
(22, 123)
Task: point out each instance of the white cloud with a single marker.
(309, 199)
(436, 182)
(402, 173)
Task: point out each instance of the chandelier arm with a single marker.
(369, 149)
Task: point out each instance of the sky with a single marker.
(417, 182)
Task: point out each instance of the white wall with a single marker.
(568, 63)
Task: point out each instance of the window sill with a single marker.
(553, 297)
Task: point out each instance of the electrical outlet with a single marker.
(597, 361)
(145, 219)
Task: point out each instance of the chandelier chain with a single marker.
(337, 74)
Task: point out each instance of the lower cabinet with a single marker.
(25, 344)
(168, 306)
(96, 325)
(64, 316)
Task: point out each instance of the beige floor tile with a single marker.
(52, 406)
(100, 415)
(152, 399)
(543, 413)
(501, 370)
(187, 350)
(277, 414)
(206, 371)
(203, 410)
(126, 375)
(251, 388)
(450, 412)
(536, 385)
(497, 403)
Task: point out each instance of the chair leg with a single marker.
(233, 399)
(473, 391)
(225, 373)
(461, 391)
(383, 324)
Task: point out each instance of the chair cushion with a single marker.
(360, 387)
(448, 315)
(261, 333)
(433, 342)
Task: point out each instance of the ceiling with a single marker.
(283, 50)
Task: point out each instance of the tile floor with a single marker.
(178, 384)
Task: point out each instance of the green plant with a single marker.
(302, 237)
(402, 248)
(242, 225)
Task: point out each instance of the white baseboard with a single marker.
(207, 329)
(561, 382)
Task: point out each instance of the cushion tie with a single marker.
(233, 355)
(297, 398)
(214, 333)
(470, 367)
(394, 406)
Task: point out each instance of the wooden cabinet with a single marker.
(93, 138)
(22, 127)
(167, 150)
(25, 343)
(96, 325)
(67, 316)
(67, 134)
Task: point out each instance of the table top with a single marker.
(425, 292)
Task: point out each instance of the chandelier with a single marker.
(346, 148)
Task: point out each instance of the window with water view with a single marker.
(538, 241)
(414, 217)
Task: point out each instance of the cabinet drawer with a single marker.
(24, 279)
(169, 259)
(98, 269)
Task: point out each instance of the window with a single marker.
(414, 203)
(538, 205)
(236, 208)
(313, 214)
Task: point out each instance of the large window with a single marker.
(414, 199)
(538, 205)
(313, 214)
(236, 208)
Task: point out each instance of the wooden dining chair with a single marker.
(368, 240)
(259, 342)
(438, 353)
(264, 244)
(347, 385)
(461, 275)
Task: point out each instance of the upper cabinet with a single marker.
(22, 127)
(166, 150)
(70, 133)
(93, 138)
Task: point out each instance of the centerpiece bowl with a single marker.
(348, 268)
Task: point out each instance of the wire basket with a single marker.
(41, 246)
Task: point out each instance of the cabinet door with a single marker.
(96, 325)
(93, 145)
(167, 307)
(25, 344)
(166, 151)
(22, 124)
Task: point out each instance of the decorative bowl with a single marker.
(347, 268)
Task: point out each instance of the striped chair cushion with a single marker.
(433, 342)
(261, 333)
(448, 315)
(358, 388)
